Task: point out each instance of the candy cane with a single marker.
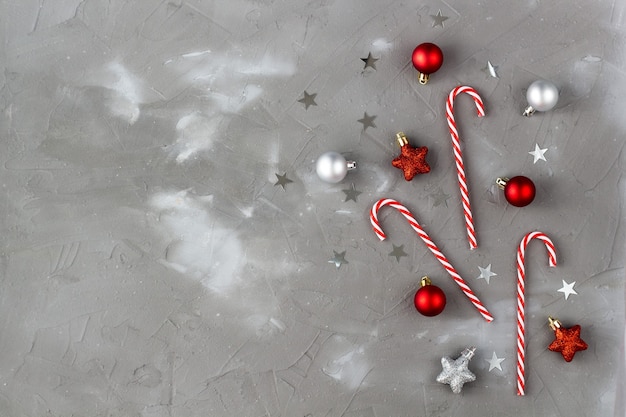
(521, 347)
(431, 245)
(458, 157)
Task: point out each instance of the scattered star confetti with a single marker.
(568, 289)
(398, 252)
(455, 372)
(492, 69)
(440, 198)
(485, 273)
(538, 153)
(566, 341)
(438, 19)
(308, 100)
(351, 193)
(282, 180)
(338, 259)
(494, 362)
(367, 120)
(370, 61)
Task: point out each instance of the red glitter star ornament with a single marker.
(567, 341)
(412, 161)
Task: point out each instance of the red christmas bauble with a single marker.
(430, 300)
(427, 58)
(519, 191)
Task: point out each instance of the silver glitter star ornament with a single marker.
(455, 372)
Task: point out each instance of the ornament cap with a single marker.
(425, 281)
(469, 352)
(501, 182)
(423, 78)
(554, 323)
(350, 165)
(529, 111)
(401, 139)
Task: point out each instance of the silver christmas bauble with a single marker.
(542, 95)
(332, 167)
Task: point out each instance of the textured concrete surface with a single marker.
(152, 267)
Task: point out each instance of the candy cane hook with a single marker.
(458, 157)
(521, 274)
(431, 245)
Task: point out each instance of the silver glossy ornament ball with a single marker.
(332, 167)
(541, 95)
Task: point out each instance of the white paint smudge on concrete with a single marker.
(124, 103)
(202, 68)
(350, 368)
(229, 85)
(384, 178)
(231, 104)
(199, 247)
(195, 54)
(195, 133)
(381, 45)
(268, 66)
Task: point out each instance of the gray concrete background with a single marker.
(151, 266)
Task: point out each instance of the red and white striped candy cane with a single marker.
(521, 347)
(458, 157)
(431, 245)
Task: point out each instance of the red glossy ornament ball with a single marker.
(427, 58)
(430, 300)
(519, 191)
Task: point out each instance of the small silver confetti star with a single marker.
(455, 372)
(485, 273)
(282, 180)
(351, 193)
(492, 69)
(440, 198)
(370, 61)
(368, 121)
(495, 362)
(438, 19)
(538, 153)
(338, 259)
(398, 252)
(568, 289)
(308, 100)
